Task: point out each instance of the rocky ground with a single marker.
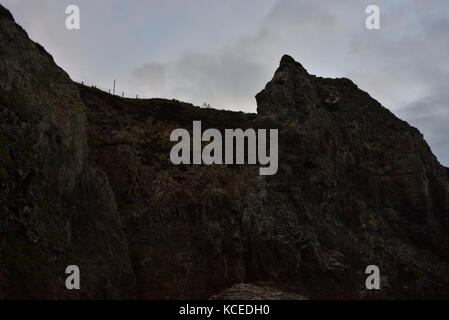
(86, 179)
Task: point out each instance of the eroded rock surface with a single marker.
(56, 209)
(244, 291)
(183, 223)
(356, 186)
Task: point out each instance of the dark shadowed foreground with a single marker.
(86, 179)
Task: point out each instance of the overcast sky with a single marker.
(224, 51)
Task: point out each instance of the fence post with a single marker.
(114, 86)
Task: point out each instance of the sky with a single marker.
(223, 52)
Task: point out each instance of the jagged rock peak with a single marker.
(292, 87)
(290, 65)
(288, 61)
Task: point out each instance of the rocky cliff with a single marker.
(56, 208)
(86, 179)
(356, 186)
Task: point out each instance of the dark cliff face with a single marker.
(356, 186)
(56, 209)
(183, 223)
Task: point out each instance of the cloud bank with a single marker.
(223, 52)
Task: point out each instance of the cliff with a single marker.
(86, 179)
(56, 208)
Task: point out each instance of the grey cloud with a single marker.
(223, 80)
(402, 65)
(226, 79)
(431, 115)
(196, 54)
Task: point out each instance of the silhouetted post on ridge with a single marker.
(114, 86)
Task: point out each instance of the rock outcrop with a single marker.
(243, 291)
(56, 209)
(183, 223)
(356, 186)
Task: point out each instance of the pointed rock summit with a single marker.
(355, 186)
(291, 86)
(287, 60)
